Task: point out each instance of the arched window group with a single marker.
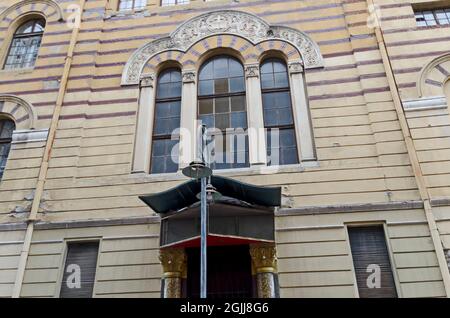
(222, 107)
(25, 45)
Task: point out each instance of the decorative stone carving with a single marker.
(252, 70)
(295, 67)
(147, 80)
(238, 23)
(188, 77)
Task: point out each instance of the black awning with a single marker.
(185, 194)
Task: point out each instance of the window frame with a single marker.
(175, 4)
(62, 265)
(164, 100)
(280, 90)
(6, 141)
(377, 223)
(133, 6)
(212, 134)
(24, 35)
(434, 13)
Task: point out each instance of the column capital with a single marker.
(188, 77)
(295, 67)
(264, 257)
(147, 80)
(251, 70)
(173, 261)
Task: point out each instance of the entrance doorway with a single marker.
(229, 272)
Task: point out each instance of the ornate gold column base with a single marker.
(173, 261)
(172, 287)
(266, 285)
(264, 265)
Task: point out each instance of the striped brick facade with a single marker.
(380, 124)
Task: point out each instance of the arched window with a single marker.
(278, 113)
(7, 127)
(222, 108)
(25, 45)
(167, 120)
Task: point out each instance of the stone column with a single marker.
(173, 261)
(303, 127)
(144, 126)
(188, 121)
(264, 264)
(256, 135)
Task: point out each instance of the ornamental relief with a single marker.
(242, 24)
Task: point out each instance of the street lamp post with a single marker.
(200, 170)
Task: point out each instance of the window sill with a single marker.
(249, 171)
(17, 71)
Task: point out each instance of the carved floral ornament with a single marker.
(238, 23)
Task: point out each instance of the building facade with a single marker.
(100, 102)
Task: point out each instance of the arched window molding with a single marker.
(245, 25)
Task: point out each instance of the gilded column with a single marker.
(264, 264)
(173, 261)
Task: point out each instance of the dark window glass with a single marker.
(25, 45)
(371, 262)
(6, 130)
(167, 122)
(221, 105)
(278, 118)
(79, 270)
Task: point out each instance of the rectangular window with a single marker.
(371, 262)
(79, 270)
(125, 5)
(165, 3)
(433, 17)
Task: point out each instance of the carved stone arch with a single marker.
(49, 8)
(246, 25)
(433, 77)
(21, 111)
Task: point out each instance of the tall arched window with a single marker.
(278, 113)
(25, 44)
(222, 108)
(167, 120)
(7, 127)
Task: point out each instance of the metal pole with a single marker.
(203, 231)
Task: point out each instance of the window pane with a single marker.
(220, 86)
(281, 80)
(162, 160)
(222, 105)
(205, 106)
(237, 84)
(206, 87)
(237, 103)
(267, 81)
(221, 67)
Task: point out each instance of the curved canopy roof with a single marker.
(185, 194)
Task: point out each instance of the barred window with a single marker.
(165, 3)
(7, 127)
(222, 108)
(167, 121)
(132, 4)
(25, 45)
(433, 17)
(278, 116)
